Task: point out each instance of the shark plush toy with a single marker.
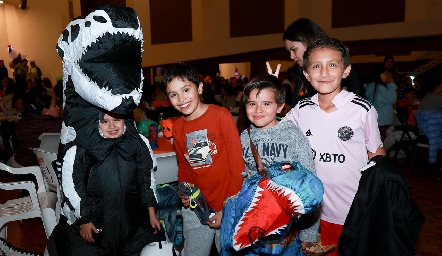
(258, 221)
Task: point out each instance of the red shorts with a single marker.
(330, 234)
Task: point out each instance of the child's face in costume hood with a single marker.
(111, 127)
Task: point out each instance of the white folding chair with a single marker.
(50, 177)
(45, 160)
(39, 203)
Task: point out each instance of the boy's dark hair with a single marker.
(303, 30)
(265, 81)
(118, 116)
(327, 43)
(182, 71)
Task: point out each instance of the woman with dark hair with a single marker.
(297, 37)
(390, 66)
(381, 92)
(42, 115)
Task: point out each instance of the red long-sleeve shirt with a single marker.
(208, 151)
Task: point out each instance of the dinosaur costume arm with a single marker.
(146, 176)
(81, 170)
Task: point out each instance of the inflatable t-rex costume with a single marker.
(108, 182)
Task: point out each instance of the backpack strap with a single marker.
(259, 165)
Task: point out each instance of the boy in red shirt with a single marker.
(209, 154)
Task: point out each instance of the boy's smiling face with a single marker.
(184, 96)
(112, 127)
(326, 70)
(262, 108)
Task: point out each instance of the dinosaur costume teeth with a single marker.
(105, 54)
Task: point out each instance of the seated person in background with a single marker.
(208, 96)
(404, 105)
(239, 90)
(406, 82)
(229, 99)
(419, 92)
(58, 90)
(42, 115)
(47, 84)
(17, 106)
(160, 99)
(29, 84)
(6, 102)
(8, 126)
(140, 111)
(5, 84)
(36, 90)
(433, 99)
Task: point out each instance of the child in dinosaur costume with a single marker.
(107, 182)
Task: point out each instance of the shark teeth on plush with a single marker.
(291, 199)
(267, 196)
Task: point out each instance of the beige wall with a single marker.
(34, 32)
(211, 36)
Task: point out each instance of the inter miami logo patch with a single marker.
(345, 133)
(308, 133)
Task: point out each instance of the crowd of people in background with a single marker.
(29, 106)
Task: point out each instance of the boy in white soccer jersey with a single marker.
(342, 129)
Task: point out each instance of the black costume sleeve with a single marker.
(145, 173)
(80, 176)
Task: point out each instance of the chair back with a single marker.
(45, 160)
(50, 142)
(39, 204)
(50, 176)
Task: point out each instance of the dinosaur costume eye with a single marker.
(65, 35)
(75, 30)
(100, 19)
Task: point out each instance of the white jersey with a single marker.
(340, 141)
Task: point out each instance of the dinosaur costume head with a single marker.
(102, 58)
